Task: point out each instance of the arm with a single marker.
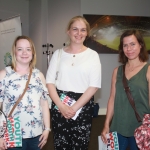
(110, 107)
(2, 142)
(2, 74)
(94, 80)
(86, 96)
(0, 105)
(65, 110)
(50, 80)
(148, 79)
(46, 117)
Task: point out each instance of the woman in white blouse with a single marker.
(77, 71)
(33, 108)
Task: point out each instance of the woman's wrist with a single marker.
(47, 129)
(60, 104)
(75, 108)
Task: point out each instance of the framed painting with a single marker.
(107, 29)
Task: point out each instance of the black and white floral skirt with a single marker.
(72, 134)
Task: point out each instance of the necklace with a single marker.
(73, 55)
(132, 68)
(73, 59)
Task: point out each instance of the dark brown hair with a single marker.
(143, 55)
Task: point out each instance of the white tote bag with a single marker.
(112, 142)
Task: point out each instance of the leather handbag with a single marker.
(142, 133)
(96, 109)
(58, 64)
(19, 99)
(130, 98)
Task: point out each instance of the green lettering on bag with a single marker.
(9, 126)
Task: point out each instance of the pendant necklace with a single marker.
(131, 69)
(73, 57)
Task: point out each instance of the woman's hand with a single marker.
(110, 106)
(103, 134)
(3, 145)
(43, 138)
(67, 111)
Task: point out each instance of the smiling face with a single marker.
(23, 52)
(77, 32)
(131, 47)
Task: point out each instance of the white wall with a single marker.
(10, 8)
(116, 7)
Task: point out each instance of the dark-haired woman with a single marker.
(132, 54)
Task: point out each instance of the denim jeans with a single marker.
(127, 142)
(28, 144)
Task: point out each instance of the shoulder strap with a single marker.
(58, 62)
(128, 92)
(19, 99)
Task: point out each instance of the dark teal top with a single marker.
(124, 120)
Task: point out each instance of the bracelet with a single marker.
(48, 129)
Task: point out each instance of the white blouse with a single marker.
(77, 72)
(29, 109)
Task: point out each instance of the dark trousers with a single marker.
(125, 142)
(72, 134)
(28, 144)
